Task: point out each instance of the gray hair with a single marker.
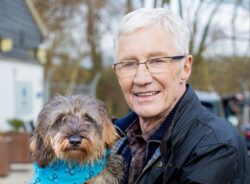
(143, 17)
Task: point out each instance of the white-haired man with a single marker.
(169, 137)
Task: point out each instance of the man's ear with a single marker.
(187, 68)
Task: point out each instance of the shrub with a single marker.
(16, 124)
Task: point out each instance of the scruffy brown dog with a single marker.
(76, 129)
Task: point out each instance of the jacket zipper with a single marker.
(144, 170)
(147, 166)
(167, 139)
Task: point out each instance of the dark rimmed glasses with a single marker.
(154, 65)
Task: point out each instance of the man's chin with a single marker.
(147, 113)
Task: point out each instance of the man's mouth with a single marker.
(147, 93)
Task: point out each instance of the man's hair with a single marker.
(143, 17)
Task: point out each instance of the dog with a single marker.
(77, 133)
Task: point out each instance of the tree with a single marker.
(72, 40)
(202, 17)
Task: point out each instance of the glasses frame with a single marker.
(138, 63)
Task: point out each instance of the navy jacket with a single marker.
(199, 147)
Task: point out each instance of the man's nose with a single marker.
(142, 76)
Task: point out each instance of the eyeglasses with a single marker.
(155, 65)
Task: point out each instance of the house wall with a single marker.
(21, 91)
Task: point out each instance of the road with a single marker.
(19, 174)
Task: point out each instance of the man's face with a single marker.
(151, 95)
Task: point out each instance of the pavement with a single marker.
(19, 174)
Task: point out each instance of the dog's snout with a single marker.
(75, 140)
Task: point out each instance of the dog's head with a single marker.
(72, 128)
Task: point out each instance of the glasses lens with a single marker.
(126, 69)
(158, 65)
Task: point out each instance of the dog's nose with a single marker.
(75, 140)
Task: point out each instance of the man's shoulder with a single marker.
(215, 130)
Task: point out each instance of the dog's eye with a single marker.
(60, 118)
(88, 118)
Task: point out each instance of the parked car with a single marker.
(247, 138)
(212, 101)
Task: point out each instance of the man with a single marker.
(169, 137)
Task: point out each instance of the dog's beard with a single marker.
(89, 150)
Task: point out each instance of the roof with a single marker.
(37, 18)
(21, 23)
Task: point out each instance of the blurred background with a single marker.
(50, 47)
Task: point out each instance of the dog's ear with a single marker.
(110, 135)
(42, 152)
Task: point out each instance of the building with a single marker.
(21, 69)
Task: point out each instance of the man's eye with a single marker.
(157, 61)
(129, 64)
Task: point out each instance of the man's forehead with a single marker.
(145, 43)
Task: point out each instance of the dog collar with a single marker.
(62, 172)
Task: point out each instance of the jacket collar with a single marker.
(189, 108)
(123, 123)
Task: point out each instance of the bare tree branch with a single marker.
(233, 25)
(180, 9)
(129, 6)
(206, 29)
(194, 27)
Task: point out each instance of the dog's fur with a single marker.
(84, 117)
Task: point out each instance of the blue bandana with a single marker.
(61, 172)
